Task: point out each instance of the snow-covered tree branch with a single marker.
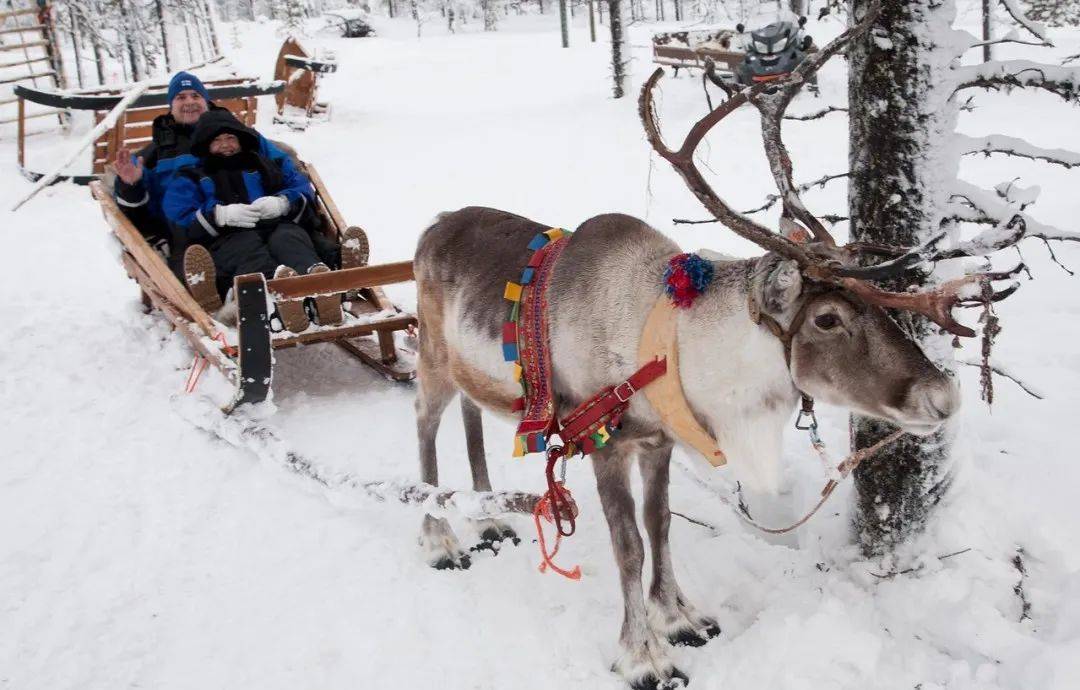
(972, 204)
(1014, 146)
(1009, 74)
(1020, 17)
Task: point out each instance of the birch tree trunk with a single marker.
(902, 168)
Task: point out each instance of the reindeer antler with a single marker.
(683, 162)
(987, 242)
(771, 99)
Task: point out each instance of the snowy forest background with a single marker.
(121, 40)
(137, 550)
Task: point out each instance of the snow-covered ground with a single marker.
(138, 551)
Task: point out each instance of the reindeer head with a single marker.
(848, 353)
(840, 344)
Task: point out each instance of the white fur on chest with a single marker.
(734, 375)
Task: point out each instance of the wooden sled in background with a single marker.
(245, 356)
(298, 104)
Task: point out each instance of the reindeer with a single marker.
(802, 319)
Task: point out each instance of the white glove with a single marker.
(270, 207)
(237, 215)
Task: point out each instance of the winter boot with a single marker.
(200, 278)
(327, 307)
(354, 247)
(291, 311)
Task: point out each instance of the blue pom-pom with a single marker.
(699, 270)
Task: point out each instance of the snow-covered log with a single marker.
(247, 432)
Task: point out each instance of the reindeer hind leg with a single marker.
(440, 545)
(492, 532)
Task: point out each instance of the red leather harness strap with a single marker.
(608, 405)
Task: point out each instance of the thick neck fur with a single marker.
(735, 378)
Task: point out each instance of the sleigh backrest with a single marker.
(133, 129)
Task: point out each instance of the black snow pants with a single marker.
(261, 251)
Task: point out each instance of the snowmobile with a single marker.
(774, 50)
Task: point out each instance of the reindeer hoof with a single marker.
(688, 637)
(492, 535)
(458, 562)
(711, 628)
(441, 548)
(673, 680)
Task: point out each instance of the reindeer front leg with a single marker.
(643, 661)
(670, 613)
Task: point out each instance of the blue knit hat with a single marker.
(185, 81)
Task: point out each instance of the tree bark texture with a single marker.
(564, 24)
(129, 40)
(620, 49)
(901, 120)
(160, 8)
(491, 16)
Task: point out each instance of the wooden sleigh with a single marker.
(245, 355)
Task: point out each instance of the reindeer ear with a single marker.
(780, 285)
(794, 231)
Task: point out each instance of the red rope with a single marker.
(198, 365)
(556, 505)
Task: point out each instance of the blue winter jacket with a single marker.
(168, 153)
(192, 196)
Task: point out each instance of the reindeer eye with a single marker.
(827, 322)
